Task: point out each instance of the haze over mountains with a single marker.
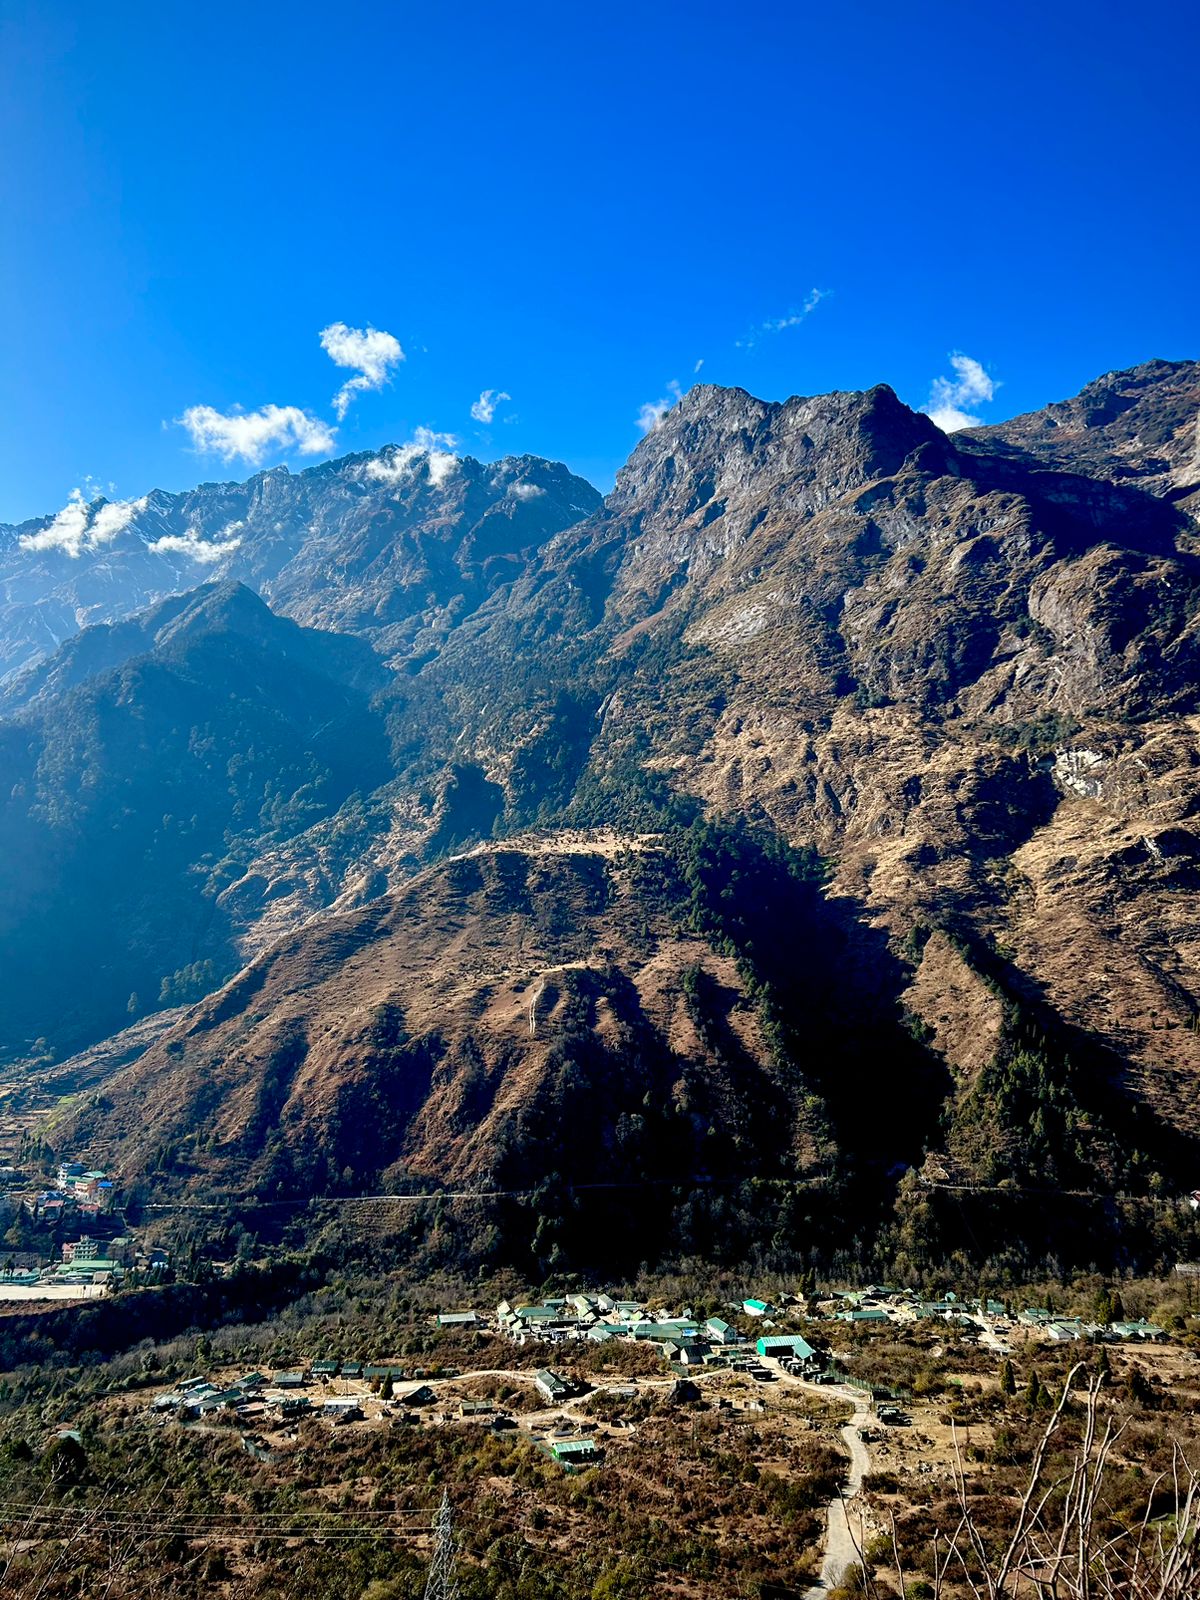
(965, 670)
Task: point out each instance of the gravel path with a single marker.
(843, 1526)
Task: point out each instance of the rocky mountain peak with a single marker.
(718, 449)
(359, 543)
(1140, 426)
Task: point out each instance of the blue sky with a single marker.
(572, 206)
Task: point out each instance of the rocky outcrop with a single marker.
(1141, 426)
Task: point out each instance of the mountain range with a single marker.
(819, 806)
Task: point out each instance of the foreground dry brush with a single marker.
(1068, 1536)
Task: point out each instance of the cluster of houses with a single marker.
(1069, 1330)
(87, 1262)
(881, 1304)
(77, 1192)
(684, 1341)
(296, 1393)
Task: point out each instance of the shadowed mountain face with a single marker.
(127, 788)
(965, 670)
(572, 1005)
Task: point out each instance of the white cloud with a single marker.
(484, 409)
(250, 435)
(793, 319)
(113, 518)
(698, 365)
(394, 467)
(427, 448)
(430, 439)
(66, 532)
(949, 398)
(525, 491)
(80, 526)
(191, 544)
(441, 467)
(369, 352)
(653, 411)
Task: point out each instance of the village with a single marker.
(761, 1346)
(95, 1254)
(844, 1404)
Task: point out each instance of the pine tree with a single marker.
(1008, 1379)
(1140, 1391)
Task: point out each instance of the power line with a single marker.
(442, 1582)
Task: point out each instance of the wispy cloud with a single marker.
(653, 411)
(252, 435)
(949, 398)
(427, 448)
(791, 319)
(484, 409)
(394, 465)
(369, 352)
(431, 439)
(192, 544)
(80, 526)
(525, 491)
(698, 365)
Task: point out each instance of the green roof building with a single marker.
(574, 1451)
(551, 1386)
(785, 1344)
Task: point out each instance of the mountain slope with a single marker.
(971, 682)
(968, 677)
(605, 1040)
(607, 1009)
(126, 793)
(1141, 426)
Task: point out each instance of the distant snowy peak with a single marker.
(325, 545)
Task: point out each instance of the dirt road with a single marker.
(844, 1524)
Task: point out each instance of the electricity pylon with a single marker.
(442, 1582)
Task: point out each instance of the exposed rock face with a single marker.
(1140, 426)
(828, 613)
(829, 546)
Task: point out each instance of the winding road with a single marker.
(843, 1536)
